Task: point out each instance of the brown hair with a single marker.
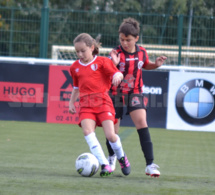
(88, 40)
(130, 26)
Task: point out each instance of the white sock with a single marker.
(96, 148)
(117, 148)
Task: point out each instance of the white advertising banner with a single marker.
(191, 101)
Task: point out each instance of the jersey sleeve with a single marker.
(146, 57)
(74, 77)
(109, 67)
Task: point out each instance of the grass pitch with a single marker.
(39, 159)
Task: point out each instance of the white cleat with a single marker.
(152, 170)
(112, 161)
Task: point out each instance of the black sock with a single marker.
(146, 144)
(110, 150)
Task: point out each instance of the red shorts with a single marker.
(97, 117)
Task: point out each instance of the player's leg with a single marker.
(88, 126)
(118, 105)
(116, 129)
(139, 119)
(111, 155)
(115, 143)
(138, 114)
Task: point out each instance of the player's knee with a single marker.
(140, 124)
(112, 138)
(87, 131)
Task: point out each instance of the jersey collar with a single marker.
(87, 63)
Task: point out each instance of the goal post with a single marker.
(68, 52)
(190, 56)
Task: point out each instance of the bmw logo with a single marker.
(195, 102)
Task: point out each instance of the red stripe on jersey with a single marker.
(138, 75)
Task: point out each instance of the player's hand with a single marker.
(115, 57)
(160, 60)
(117, 78)
(72, 108)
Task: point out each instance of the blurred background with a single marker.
(182, 30)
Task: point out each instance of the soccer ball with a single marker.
(87, 164)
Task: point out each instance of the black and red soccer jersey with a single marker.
(131, 65)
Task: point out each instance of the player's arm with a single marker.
(115, 57)
(74, 97)
(117, 78)
(153, 65)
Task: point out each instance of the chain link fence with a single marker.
(33, 33)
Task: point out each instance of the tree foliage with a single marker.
(201, 7)
(67, 18)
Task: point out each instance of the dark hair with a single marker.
(88, 40)
(130, 26)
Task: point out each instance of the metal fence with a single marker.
(32, 33)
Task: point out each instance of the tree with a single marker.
(67, 18)
(200, 7)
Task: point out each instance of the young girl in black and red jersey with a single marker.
(92, 76)
(130, 58)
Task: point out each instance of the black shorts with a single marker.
(131, 101)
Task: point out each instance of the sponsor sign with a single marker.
(42, 93)
(191, 104)
(21, 92)
(59, 93)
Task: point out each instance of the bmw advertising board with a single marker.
(191, 101)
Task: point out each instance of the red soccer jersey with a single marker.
(93, 81)
(131, 65)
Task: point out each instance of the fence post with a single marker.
(44, 29)
(11, 32)
(180, 34)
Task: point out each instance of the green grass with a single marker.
(39, 159)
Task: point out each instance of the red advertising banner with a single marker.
(21, 92)
(59, 92)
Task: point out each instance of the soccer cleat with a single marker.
(152, 170)
(112, 161)
(106, 171)
(125, 165)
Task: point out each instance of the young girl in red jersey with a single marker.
(130, 59)
(92, 76)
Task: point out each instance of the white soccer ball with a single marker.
(87, 164)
